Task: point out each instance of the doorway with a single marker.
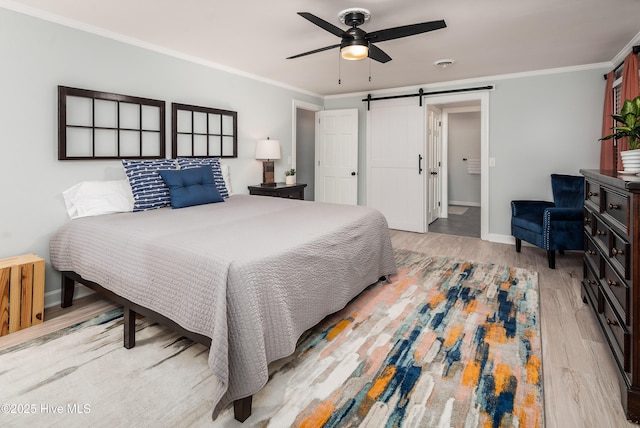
(468, 193)
(463, 177)
(303, 145)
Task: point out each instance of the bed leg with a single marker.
(129, 327)
(242, 408)
(67, 287)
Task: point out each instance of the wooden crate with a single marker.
(21, 292)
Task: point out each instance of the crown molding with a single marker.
(38, 13)
(473, 81)
(77, 25)
(625, 51)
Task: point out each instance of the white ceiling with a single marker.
(485, 38)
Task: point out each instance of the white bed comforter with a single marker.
(252, 273)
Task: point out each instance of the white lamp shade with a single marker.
(268, 149)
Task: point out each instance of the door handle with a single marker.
(419, 164)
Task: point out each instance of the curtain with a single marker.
(630, 90)
(607, 147)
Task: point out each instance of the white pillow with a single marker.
(91, 198)
(226, 176)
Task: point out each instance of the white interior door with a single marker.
(395, 162)
(336, 178)
(434, 161)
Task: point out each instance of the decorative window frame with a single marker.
(136, 128)
(203, 132)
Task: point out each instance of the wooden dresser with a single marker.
(611, 281)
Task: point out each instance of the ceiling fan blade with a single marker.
(315, 51)
(378, 54)
(322, 23)
(404, 31)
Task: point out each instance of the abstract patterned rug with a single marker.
(448, 343)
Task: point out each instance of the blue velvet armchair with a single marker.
(553, 226)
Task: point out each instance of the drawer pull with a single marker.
(601, 232)
(611, 283)
(614, 206)
(591, 194)
(591, 252)
(587, 220)
(616, 252)
(612, 323)
(591, 282)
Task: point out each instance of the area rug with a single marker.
(448, 343)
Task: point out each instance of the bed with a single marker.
(247, 276)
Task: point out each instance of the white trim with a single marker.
(295, 105)
(473, 81)
(71, 23)
(465, 203)
(469, 109)
(77, 25)
(444, 166)
(625, 51)
(501, 239)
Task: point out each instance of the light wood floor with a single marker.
(580, 386)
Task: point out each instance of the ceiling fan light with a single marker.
(354, 52)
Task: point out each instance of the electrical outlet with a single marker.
(492, 161)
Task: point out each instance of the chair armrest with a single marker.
(563, 229)
(520, 207)
(564, 214)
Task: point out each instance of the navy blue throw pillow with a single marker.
(148, 189)
(189, 187)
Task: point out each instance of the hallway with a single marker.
(462, 221)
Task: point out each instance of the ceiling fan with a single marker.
(356, 43)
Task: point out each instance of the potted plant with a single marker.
(628, 126)
(290, 176)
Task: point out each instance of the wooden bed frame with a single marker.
(241, 407)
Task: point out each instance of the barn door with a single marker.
(396, 162)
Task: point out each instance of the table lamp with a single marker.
(267, 150)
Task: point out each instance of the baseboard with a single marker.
(464, 203)
(53, 298)
(501, 239)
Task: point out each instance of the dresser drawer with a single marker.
(601, 232)
(620, 254)
(616, 207)
(590, 282)
(592, 254)
(588, 221)
(618, 291)
(592, 194)
(617, 334)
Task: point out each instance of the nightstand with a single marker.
(280, 190)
